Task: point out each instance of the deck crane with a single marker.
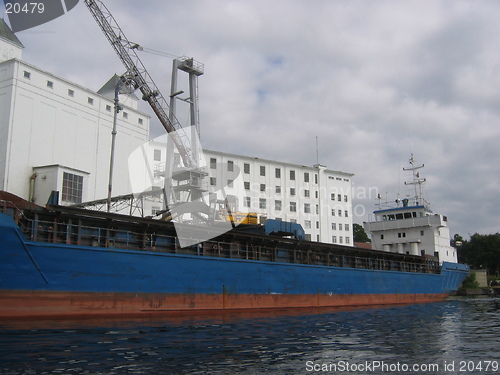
(139, 78)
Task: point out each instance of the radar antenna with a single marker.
(417, 181)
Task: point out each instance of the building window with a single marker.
(307, 208)
(230, 166)
(334, 226)
(213, 181)
(306, 193)
(213, 163)
(72, 189)
(348, 240)
(293, 207)
(340, 212)
(332, 196)
(277, 205)
(339, 197)
(246, 185)
(50, 84)
(262, 170)
(334, 239)
(277, 173)
(292, 175)
(306, 177)
(345, 198)
(72, 94)
(27, 75)
(246, 168)
(262, 187)
(421, 232)
(157, 155)
(108, 107)
(125, 115)
(333, 212)
(381, 236)
(262, 203)
(140, 121)
(307, 224)
(340, 226)
(278, 189)
(246, 201)
(292, 191)
(315, 178)
(90, 101)
(230, 183)
(340, 239)
(346, 227)
(346, 213)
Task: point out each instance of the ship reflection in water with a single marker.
(458, 332)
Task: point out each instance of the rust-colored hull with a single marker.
(18, 304)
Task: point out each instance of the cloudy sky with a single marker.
(373, 80)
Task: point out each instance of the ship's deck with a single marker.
(72, 226)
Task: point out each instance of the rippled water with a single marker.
(453, 335)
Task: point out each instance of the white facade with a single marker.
(56, 135)
(317, 198)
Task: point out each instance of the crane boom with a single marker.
(136, 72)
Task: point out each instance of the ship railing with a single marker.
(11, 209)
(75, 232)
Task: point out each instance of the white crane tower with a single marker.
(184, 183)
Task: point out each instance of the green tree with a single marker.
(470, 282)
(482, 252)
(359, 234)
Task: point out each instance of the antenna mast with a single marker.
(417, 181)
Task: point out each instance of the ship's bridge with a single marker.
(400, 213)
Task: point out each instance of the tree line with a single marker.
(482, 251)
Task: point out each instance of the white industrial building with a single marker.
(56, 135)
(317, 198)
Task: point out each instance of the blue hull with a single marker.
(63, 279)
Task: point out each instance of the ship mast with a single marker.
(417, 182)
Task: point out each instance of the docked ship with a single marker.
(64, 261)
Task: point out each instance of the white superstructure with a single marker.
(412, 228)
